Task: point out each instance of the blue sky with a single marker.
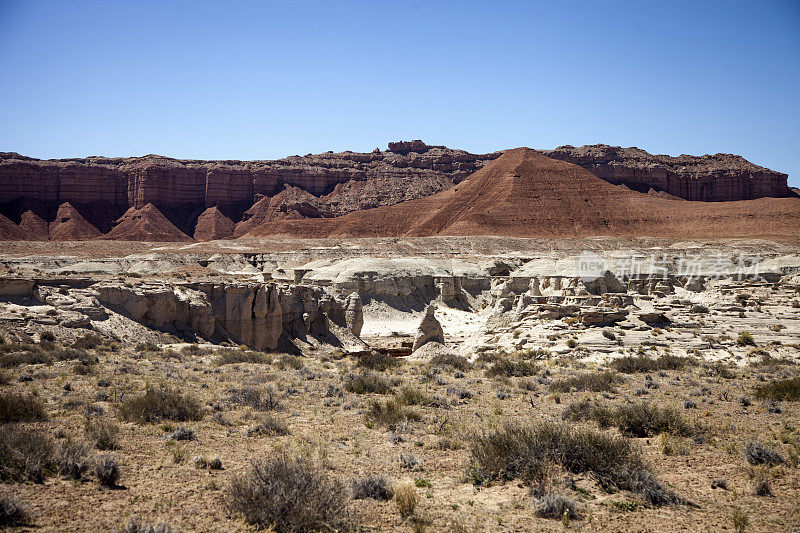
(260, 80)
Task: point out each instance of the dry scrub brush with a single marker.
(529, 453)
(289, 496)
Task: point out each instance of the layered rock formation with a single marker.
(182, 189)
(526, 194)
(262, 316)
(205, 199)
(708, 178)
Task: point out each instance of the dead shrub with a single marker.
(288, 496)
(134, 526)
(103, 432)
(160, 403)
(760, 482)
(373, 488)
(12, 511)
(269, 426)
(106, 470)
(759, 454)
(73, 458)
(405, 498)
(556, 506)
(265, 399)
(20, 407)
(25, 455)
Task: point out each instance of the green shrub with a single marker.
(290, 361)
(160, 403)
(409, 396)
(631, 364)
(505, 366)
(637, 419)
(229, 356)
(288, 496)
(456, 362)
(88, 342)
(787, 389)
(587, 381)
(528, 453)
(745, 339)
(390, 413)
(377, 361)
(367, 382)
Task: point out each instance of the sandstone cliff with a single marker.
(220, 199)
(708, 178)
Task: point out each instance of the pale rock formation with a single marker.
(430, 330)
(354, 313)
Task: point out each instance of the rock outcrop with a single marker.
(262, 316)
(430, 330)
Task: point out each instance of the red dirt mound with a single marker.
(526, 194)
(146, 224)
(292, 203)
(212, 225)
(34, 225)
(69, 225)
(11, 232)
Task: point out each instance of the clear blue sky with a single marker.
(260, 80)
